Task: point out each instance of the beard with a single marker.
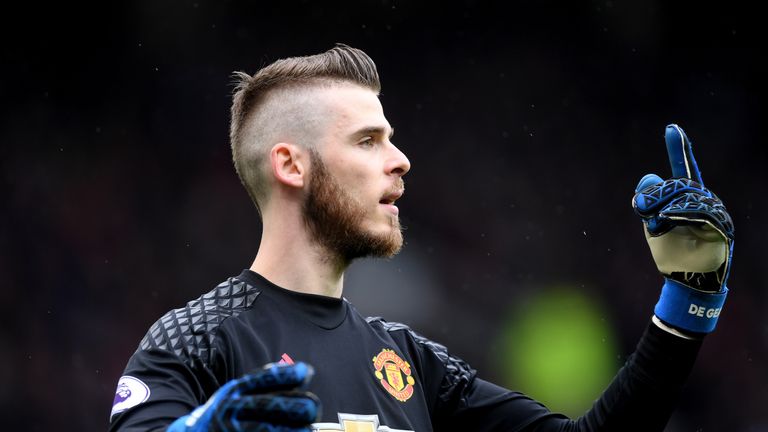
(335, 218)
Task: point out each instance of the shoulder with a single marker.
(402, 329)
(190, 331)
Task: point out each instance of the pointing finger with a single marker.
(681, 154)
(275, 377)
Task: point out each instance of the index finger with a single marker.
(681, 154)
(274, 378)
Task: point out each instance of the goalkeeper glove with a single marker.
(690, 235)
(271, 399)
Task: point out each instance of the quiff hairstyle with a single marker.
(270, 101)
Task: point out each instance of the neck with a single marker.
(289, 258)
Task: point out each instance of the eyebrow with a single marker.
(372, 130)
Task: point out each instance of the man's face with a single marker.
(356, 176)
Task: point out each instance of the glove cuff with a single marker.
(689, 309)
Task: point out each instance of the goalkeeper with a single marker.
(313, 148)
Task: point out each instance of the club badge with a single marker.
(394, 374)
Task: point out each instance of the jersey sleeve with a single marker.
(642, 395)
(180, 363)
(158, 387)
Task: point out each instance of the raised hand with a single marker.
(690, 235)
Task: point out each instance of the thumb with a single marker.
(648, 180)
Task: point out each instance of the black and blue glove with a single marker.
(272, 399)
(690, 235)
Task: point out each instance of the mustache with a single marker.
(398, 186)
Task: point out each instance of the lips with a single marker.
(391, 197)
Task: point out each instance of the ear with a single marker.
(288, 164)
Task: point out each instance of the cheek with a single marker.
(352, 166)
(356, 181)
(360, 191)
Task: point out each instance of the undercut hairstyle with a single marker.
(274, 105)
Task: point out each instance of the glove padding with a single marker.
(272, 399)
(688, 229)
(690, 234)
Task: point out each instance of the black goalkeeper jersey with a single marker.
(370, 374)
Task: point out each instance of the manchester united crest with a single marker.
(394, 374)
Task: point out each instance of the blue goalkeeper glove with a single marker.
(690, 235)
(271, 399)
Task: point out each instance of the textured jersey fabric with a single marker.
(370, 374)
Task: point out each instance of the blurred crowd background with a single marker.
(528, 125)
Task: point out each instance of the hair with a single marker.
(273, 105)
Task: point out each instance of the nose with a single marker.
(398, 162)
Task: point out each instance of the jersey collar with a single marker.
(323, 311)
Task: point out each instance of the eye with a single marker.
(367, 142)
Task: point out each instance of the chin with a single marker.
(388, 231)
(386, 243)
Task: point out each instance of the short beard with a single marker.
(335, 218)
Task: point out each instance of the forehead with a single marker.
(350, 108)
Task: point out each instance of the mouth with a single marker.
(389, 199)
